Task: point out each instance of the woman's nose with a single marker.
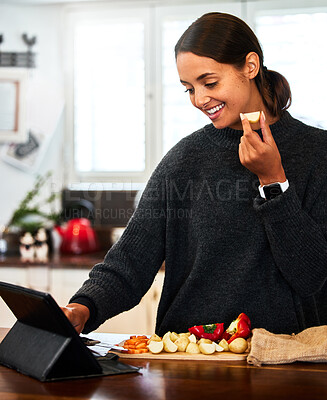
(201, 99)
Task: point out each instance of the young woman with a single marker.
(237, 211)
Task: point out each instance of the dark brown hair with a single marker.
(228, 40)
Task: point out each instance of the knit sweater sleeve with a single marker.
(128, 270)
(297, 232)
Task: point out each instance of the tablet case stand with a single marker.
(47, 355)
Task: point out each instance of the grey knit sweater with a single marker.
(226, 250)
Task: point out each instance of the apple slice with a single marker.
(253, 117)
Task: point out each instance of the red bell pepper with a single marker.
(240, 327)
(213, 332)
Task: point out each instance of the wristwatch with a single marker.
(273, 190)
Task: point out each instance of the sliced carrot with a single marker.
(129, 346)
(139, 342)
(137, 351)
(131, 341)
(136, 342)
(141, 345)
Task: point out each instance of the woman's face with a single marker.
(219, 90)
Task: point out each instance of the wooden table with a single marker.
(169, 380)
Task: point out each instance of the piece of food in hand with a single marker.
(223, 343)
(169, 345)
(238, 345)
(253, 117)
(207, 348)
(155, 347)
(213, 332)
(173, 336)
(192, 348)
(182, 343)
(240, 327)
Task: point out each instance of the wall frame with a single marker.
(13, 91)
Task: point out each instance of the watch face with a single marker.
(272, 191)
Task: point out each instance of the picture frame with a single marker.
(27, 156)
(13, 105)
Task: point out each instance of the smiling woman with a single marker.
(236, 247)
(230, 54)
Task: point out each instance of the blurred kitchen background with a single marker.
(99, 104)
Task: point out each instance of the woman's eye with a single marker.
(189, 90)
(211, 85)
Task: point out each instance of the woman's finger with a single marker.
(246, 152)
(252, 136)
(246, 124)
(265, 129)
(246, 143)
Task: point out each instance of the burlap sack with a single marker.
(308, 345)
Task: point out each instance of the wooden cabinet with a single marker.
(62, 283)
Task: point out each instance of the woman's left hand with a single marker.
(261, 157)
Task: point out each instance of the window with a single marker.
(293, 44)
(109, 97)
(128, 105)
(179, 116)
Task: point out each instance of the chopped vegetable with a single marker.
(168, 344)
(181, 343)
(223, 343)
(192, 348)
(207, 348)
(156, 347)
(213, 332)
(155, 338)
(238, 345)
(239, 328)
(136, 344)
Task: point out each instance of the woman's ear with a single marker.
(252, 65)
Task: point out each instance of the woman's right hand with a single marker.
(77, 315)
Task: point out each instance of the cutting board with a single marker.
(222, 356)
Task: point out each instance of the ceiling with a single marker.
(40, 2)
(43, 2)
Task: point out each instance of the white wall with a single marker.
(45, 98)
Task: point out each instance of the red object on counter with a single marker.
(213, 332)
(78, 237)
(240, 327)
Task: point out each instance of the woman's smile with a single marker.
(214, 112)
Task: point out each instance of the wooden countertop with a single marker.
(57, 260)
(170, 380)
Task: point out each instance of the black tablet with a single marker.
(44, 344)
